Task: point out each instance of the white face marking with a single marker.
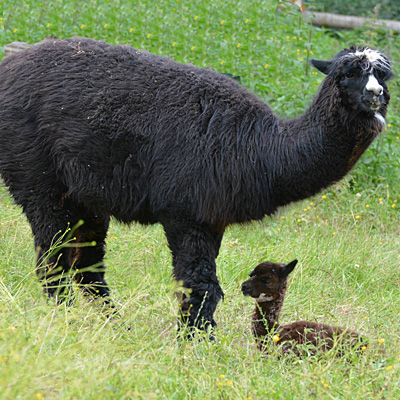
(373, 85)
(372, 55)
(263, 298)
(374, 58)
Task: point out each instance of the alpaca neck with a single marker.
(335, 131)
(266, 315)
(319, 148)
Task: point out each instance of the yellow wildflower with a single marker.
(276, 338)
(82, 26)
(48, 26)
(380, 340)
(105, 25)
(131, 30)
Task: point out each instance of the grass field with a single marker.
(347, 239)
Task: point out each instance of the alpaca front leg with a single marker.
(200, 294)
(194, 249)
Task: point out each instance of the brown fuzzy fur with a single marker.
(267, 284)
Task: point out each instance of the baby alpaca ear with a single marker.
(287, 269)
(321, 65)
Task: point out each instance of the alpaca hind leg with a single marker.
(194, 249)
(51, 223)
(88, 254)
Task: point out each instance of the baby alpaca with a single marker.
(267, 284)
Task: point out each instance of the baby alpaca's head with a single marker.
(267, 281)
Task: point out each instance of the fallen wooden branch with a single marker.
(17, 46)
(349, 22)
(317, 18)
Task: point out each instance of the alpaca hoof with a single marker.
(200, 333)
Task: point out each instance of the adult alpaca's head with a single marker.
(359, 74)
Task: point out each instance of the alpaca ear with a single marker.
(321, 65)
(287, 269)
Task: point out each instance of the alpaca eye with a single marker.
(350, 74)
(382, 75)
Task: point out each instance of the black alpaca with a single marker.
(267, 284)
(90, 130)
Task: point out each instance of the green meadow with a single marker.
(347, 238)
